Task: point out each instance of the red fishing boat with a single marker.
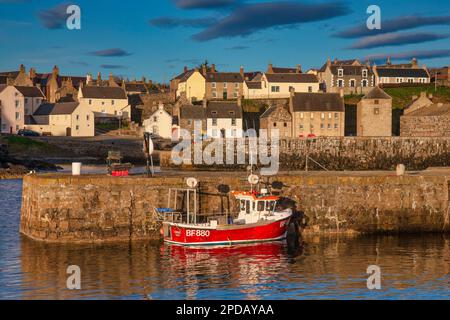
(259, 219)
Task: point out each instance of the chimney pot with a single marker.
(299, 68)
(213, 68)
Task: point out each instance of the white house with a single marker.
(224, 119)
(105, 102)
(159, 123)
(278, 85)
(63, 119)
(17, 104)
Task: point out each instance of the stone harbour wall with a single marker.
(89, 208)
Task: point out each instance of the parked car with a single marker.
(27, 133)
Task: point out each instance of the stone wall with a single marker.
(426, 126)
(356, 153)
(88, 208)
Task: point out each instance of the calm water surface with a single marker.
(413, 267)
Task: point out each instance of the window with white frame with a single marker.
(214, 122)
(17, 115)
(225, 85)
(213, 84)
(275, 89)
(352, 83)
(17, 103)
(340, 72)
(364, 83)
(233, 122)
(236, 85)
(364, 73)
(310, 89)
(340, 83)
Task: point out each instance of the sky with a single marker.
(157, 38)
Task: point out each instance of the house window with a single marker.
(112, 102)
(26, 100)
(376, 111)
(17, 103)
(352, 83)
(322, 115)
(340, 83)
(214, 122)
(78, 117)
(103, 103)
(399, 80)
(90, 101)
(335, 125)
(233, 122)
(410, 80)
(329, 126)
(77, 127)
(301, 115)
(213, 85)
(104, 111)
(235, 94)
(377, 101)
(225, 85)
(155, 119)
(275, 89)
(189, 122)
(87, 117)
(336, 115)
(17, 116)
(309, 89)
(340, 72)
(274, 124)
(312, 115)
(285, 124)
(236, 85)
(214, 94)
(364, 83)
(322, 126)
(364, 73)
(329, 115)
(301, 126)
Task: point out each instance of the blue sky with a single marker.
(156, 39)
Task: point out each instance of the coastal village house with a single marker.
(424, 118)
(224, 85)
(374, 114)
(277, 118)
(317, 114)
(70, 119)
(105, 102)
(441, 76)
(17, 104)
(192, 84)
(159, 123)
(349, 76)
(401, 73)
(192, 116)
(224, 119)
(277, 83)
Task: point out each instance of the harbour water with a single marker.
(334, 267)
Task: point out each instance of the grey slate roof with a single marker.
(313, 102)
(103, 92)
(253, 84)
(377, 93)
(64, 108)
(192, 112)
(402, 72)
(33, 92)
(434, 110)
(223, 110)
(292, 77)
(224, 77)
(351, 70)
(271, 110)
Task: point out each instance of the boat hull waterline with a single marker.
(235, 234)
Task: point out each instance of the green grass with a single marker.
(17, 144)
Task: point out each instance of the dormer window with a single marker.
(340, 72)
(214, 113)
(213, 84)
(231, 113)
(364, 73)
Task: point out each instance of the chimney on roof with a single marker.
(335, 60)
(204, 69)
(213, 68)
(81, 84)
(270, 68)
(32, 73)
(328, 62)
(22, 68)
(99, 79)
(414, 63)
(124, 87)
(241, 71)
(388, 62)
(88, 79)
(55, 71)
(185, 69)
(299, 68)
(205, 103)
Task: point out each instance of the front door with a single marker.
(225, 95)
(68, 132)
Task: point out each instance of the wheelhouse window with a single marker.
(270, 206)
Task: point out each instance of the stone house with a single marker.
(192, 116)
(317, 114)
(277, 118)
(418, 102)
(349, 76)
(374, 114)
(224, 119)
(401, 73)
(105, 102)
(224, 85)
(432, 120)
(160, 123)
(17, 104)
(63, 119)
(441, 76)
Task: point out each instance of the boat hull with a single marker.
(261, 232)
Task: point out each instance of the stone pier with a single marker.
(96, 208)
